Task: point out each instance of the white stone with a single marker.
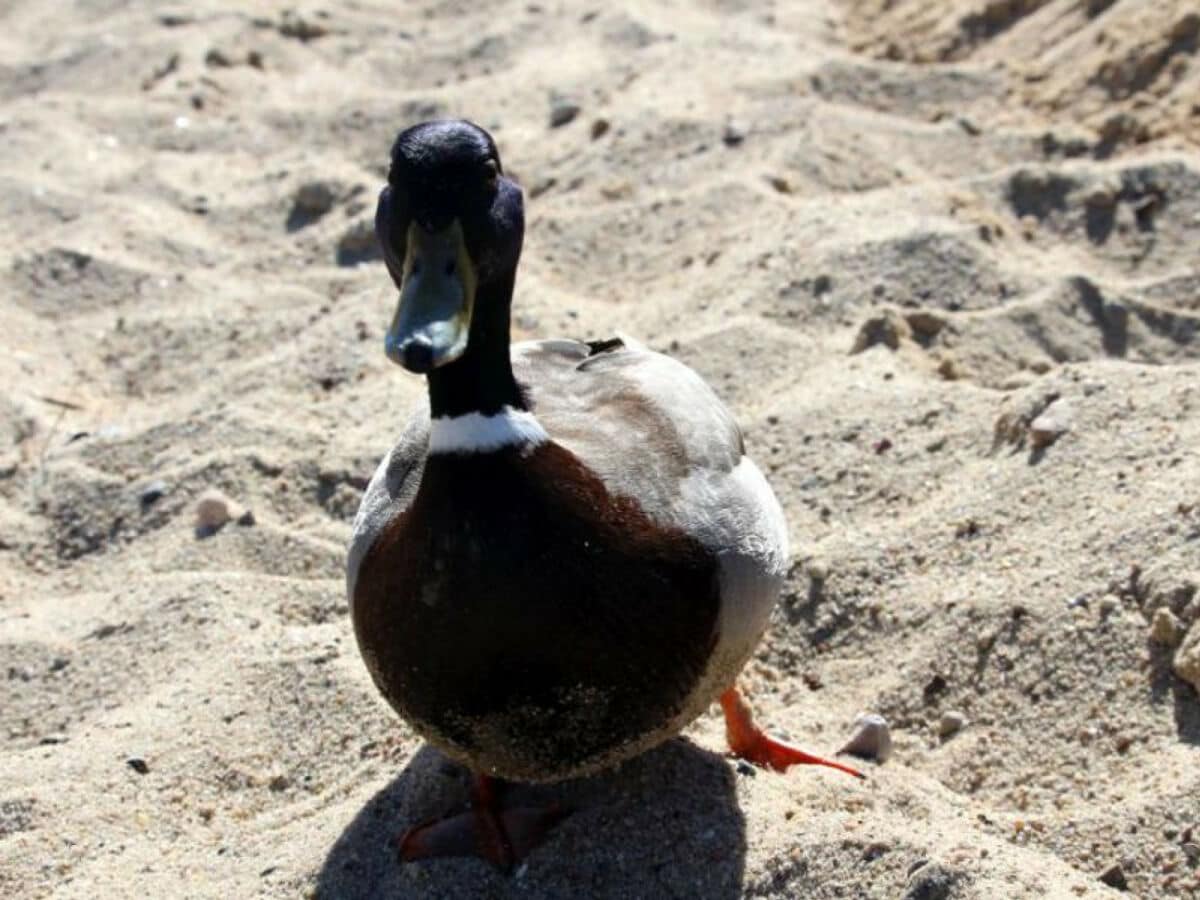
(872, 738)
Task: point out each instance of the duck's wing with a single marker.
(390, 490)
(653, 431)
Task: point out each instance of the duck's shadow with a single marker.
(666, 823)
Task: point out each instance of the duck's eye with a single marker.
(450, 267)
(490, 172)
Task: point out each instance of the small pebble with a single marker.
(931, 882)
(818, 569)
(563, 112)
(1114, 877)
(780, 183)
(951, 723)
(214, 510)
(1053, 423)
(969, 126)
(152, 493)
(872, 738)
(933, 687)
(138, 765)
(733, 134)
(294, 25)
(950, 369)
(875, 850)
(888, 328)
(217, 58)
(1165, 628)
(315, 197)
(599, 128)
(1103, 195)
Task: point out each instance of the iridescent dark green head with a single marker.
(450, 225)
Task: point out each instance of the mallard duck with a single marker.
(568, 556)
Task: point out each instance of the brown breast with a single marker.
(528, 622)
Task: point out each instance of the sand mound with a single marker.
(1126, 69)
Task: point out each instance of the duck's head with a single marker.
(450, 225)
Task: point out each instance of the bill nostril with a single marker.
(417, 355)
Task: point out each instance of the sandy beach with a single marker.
(942, 260)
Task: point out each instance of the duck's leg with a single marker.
(501, 836)
(751, 743)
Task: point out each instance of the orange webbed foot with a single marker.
(749, 742)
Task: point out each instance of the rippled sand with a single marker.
(898, 241)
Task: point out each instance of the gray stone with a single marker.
(872, 738)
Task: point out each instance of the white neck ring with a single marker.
(477, 433)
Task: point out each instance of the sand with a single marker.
(943, 261)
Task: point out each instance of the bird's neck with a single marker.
(481, 380)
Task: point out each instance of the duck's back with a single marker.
(542, 611)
